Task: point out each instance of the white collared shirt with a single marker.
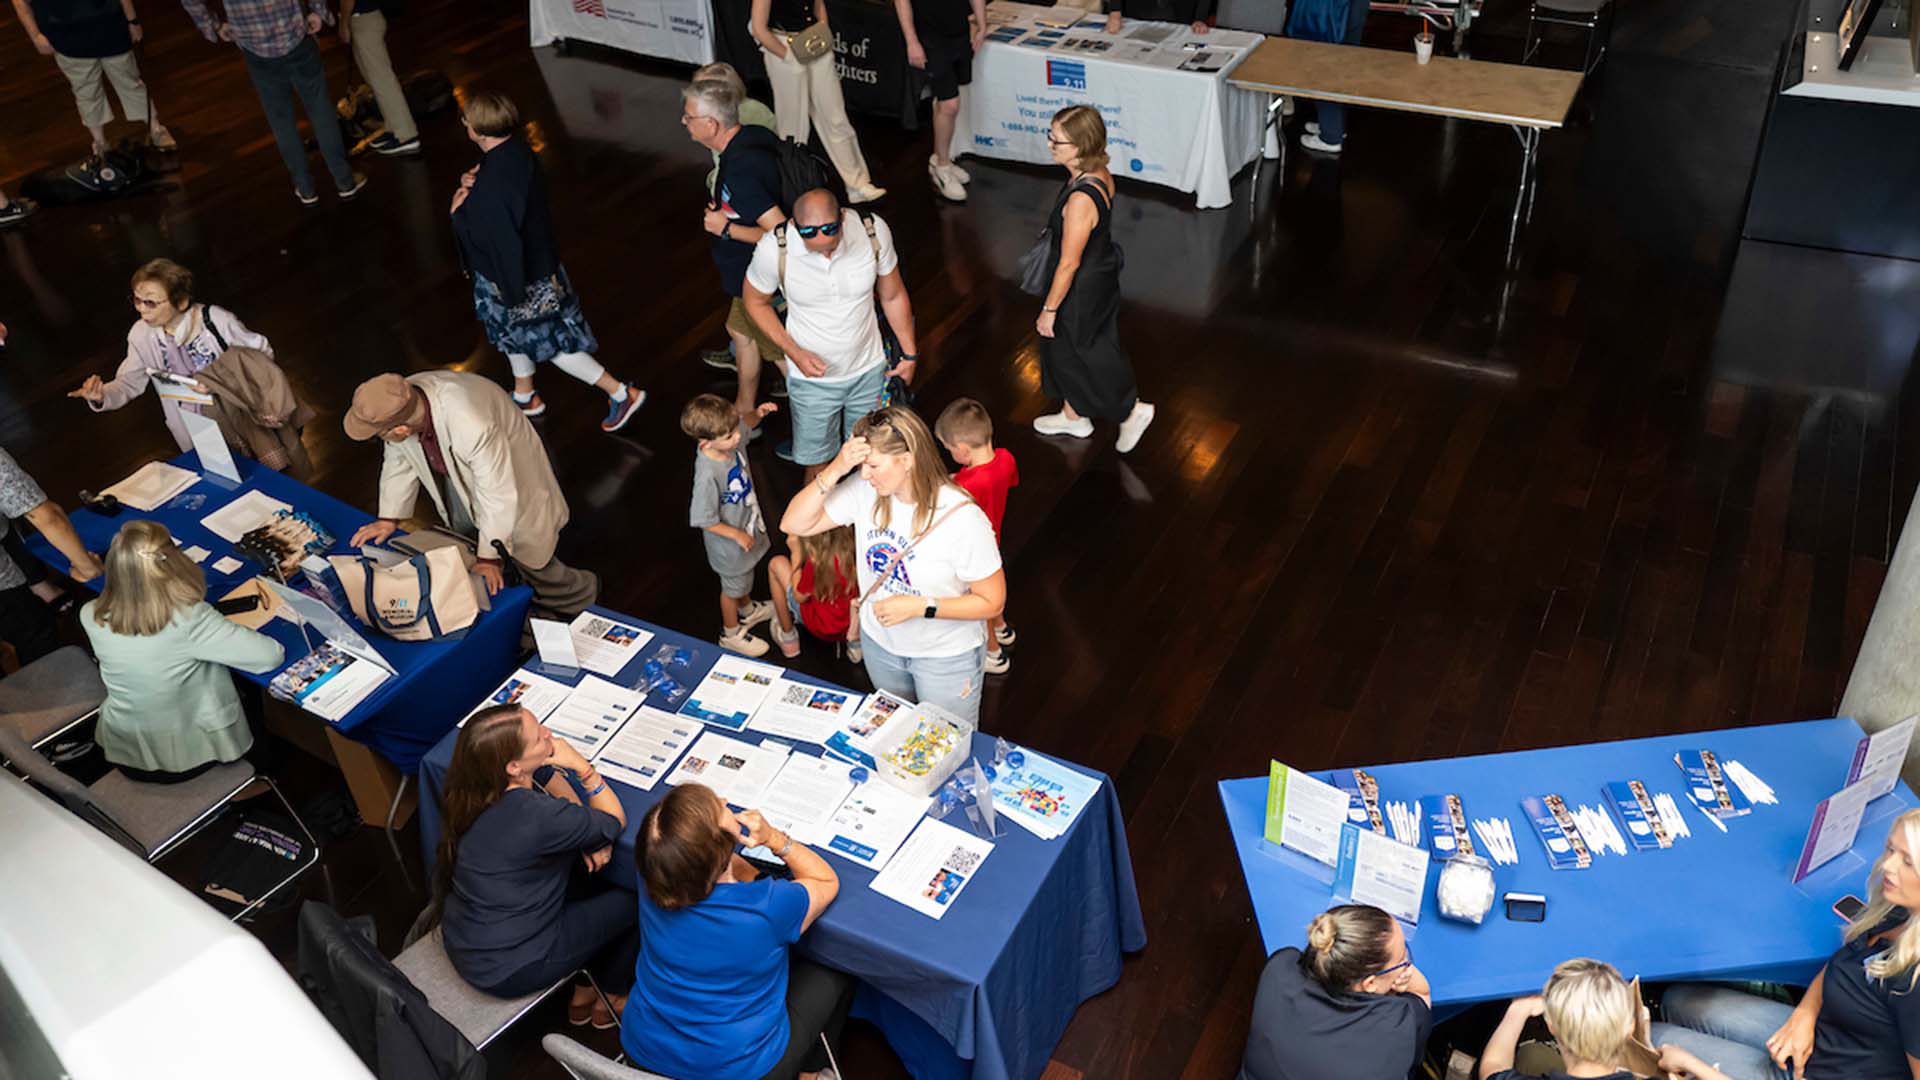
(830, 308)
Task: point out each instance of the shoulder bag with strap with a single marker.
(780, 238)
(1035, 272)
(901, 555)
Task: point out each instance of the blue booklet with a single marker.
(1633, 804)
(1553, 823)
(1709, 786)
(1363, 797)
(1447, 831)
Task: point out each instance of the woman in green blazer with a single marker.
(171, 711)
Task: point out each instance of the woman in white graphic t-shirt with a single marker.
(923, 625)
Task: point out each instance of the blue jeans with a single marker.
(1332, 114)
(1724, 1027)
(823, 414)
(277, 80)
(951, 682)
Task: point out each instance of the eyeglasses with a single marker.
(688, 118)
(144, 304)
(1407, 963)
(1051, 141)
(808, 232)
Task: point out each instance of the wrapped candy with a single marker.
(1465, 891)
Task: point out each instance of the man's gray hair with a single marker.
(715, 98)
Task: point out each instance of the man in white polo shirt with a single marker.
(835, 263)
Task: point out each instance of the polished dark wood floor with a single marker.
(1398, 503)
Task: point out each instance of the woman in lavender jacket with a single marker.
(174, 334)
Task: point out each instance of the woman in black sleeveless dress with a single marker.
(1081, 361)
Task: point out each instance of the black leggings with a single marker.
(599, 931)
(817, 1002)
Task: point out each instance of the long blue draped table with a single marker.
(1716, 905)
(433, 681)
(984, 992)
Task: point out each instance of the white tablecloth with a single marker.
(669, 29)
(1182, 129)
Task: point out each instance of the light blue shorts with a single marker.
(823, 414)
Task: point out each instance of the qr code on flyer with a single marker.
(961, 861)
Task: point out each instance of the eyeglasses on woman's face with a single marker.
(1051, 141)
(1405, 962)
(143, 303)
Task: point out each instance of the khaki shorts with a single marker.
(739, 322)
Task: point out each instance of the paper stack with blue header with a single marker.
(1040, 794)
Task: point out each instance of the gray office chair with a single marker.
(478, 1015)
(152, 819)
(49, 697)
(583, 1064)
(1587, 15)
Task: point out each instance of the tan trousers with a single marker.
(90, 94)
(807, 96)
(370, 56)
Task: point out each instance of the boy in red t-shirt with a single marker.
(987, 474)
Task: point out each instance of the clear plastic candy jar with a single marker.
(1465, 891)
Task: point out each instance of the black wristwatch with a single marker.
(726, 230)
(133, 22)
(933, 609)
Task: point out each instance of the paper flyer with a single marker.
(1304, 814)
(1379, 870)
(931, 869)
(806, 794)
(1836, 823)
(872, 822)
(243, 515)
(605, 645)
(538, 694)
(731, 692)
(593, 713)
(642, 751)
(736, 771)
(1042, 795)
(1878, 758)
(327, 682)
(855, 737)
(210, 446)
(804, 712)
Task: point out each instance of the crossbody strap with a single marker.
(901, 555)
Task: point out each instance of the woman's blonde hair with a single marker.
(1590, 1010)
(492, 113)
(895, 430)
(148, 579)
(1084, 128)
(1904, 957)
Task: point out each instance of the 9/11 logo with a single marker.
(1071, 74)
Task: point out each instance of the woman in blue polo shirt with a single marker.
(1860, 1020)
(716, 993)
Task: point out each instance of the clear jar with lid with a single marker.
(1465, 890)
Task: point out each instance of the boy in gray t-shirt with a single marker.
(727, 511)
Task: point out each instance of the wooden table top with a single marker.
(1394, 79)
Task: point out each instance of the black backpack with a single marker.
(801, 171)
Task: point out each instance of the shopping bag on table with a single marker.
(428, 597)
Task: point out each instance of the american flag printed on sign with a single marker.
(590, 7)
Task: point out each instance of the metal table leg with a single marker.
(1529, 175)
(1280, 138)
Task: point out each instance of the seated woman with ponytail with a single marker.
(1351, 1006)
(1859, 1020)
(515, 912)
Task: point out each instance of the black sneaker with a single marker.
(720, 358)
(16, 212)
(347, 193)
(307, 198)
(386, 145)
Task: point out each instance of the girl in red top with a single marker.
(821, 592)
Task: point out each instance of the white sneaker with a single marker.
(866, 194)
(1313, 142)
(954, 170)
(1311, 127)
(1056, 423)
(756, 612)
(997, 663)
(789, 642)
(1134, 426)
(741, 641)
(1004, 635)
(947, 184)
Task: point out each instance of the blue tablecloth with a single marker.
(984, 992)
(435, 682)
(1714, 906)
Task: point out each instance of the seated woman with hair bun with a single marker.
(1351, 1006)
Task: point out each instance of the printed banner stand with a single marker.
(679, 30)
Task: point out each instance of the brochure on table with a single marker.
(153, 485)
(736, 771)
(855, 738)
(593, 714)
(243, 515)
(537, 694)
(803, 798)
(1877, 762)
(872, 822)
(645, 748)
(929, 871)
(1836, 824)
(327, 682)
(803, 711)
(1379, 870)
(731, 692)
(1304, 816)
(1040, 794)
(604, 645)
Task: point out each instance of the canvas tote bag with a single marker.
(429, 597)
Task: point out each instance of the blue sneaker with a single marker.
(619, 412)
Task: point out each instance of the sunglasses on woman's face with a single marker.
(145, 304)
(808, 232)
